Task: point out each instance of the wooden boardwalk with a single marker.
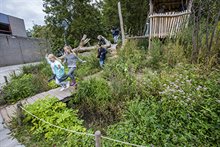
(9, 111)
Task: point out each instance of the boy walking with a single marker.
(101, 55)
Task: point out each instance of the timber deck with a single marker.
(9, 111)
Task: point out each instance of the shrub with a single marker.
(19, 88)
(155, 55)
(174, 54)
(183, 111)
(88, 68)
(32, 80)
(56, 113)
(95, 102)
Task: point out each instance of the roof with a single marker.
(170, 5)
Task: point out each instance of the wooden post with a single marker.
(121, 24)
(97, 139)
(151, 27)
(14, 73)
(19, 114)
(6, 80)
(190, 5)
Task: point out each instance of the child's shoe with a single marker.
(62, 88)
(67, 84)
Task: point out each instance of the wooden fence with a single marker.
(168, 24)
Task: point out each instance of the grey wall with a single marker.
(17, 26)
(21, 50)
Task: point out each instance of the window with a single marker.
(4, 24)
(5, 28)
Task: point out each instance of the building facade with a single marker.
(12, 26)
(15, 46)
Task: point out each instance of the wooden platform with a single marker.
(9, 111)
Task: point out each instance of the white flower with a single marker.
(181, 91)
(198, 88)
(176, 86)
(189, 81)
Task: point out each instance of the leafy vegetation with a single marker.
(166, 96)
(182, 111)
(90, 67)
(154, 97)
(54, 112)
(33, 80)
(95, 104)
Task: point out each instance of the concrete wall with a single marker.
(17, 26)
(20, 50)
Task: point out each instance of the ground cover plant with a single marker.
(43, 134)
(183, 111)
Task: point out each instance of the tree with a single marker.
(81, 16)
(134, 15)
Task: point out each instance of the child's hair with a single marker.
(68, 49)
(53, 57)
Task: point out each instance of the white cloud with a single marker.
(29, 10)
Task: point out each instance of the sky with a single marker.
(31, 11)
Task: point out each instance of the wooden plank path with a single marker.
(9, 111)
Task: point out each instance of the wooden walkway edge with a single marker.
(8, 112)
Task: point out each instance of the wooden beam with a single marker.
(169, 15)
(137, 37)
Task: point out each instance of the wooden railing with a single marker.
(168, 24)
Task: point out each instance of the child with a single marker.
(101, 55)
(103, 41)
(115, 34)
(58, 71)
(71, 58)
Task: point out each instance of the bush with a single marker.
(88, 68)
(31, 81)
(155, 55)
(95, 102)
(19, 88)
(56, 113)
(183, 111)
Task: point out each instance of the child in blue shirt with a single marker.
(58, 71)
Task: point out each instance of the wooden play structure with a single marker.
(166, 18)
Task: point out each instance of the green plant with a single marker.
(19, 88)
(174, 53)
(155, 55)
(32, 80)
(183, 110)
(56, 113)
(88, 68)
